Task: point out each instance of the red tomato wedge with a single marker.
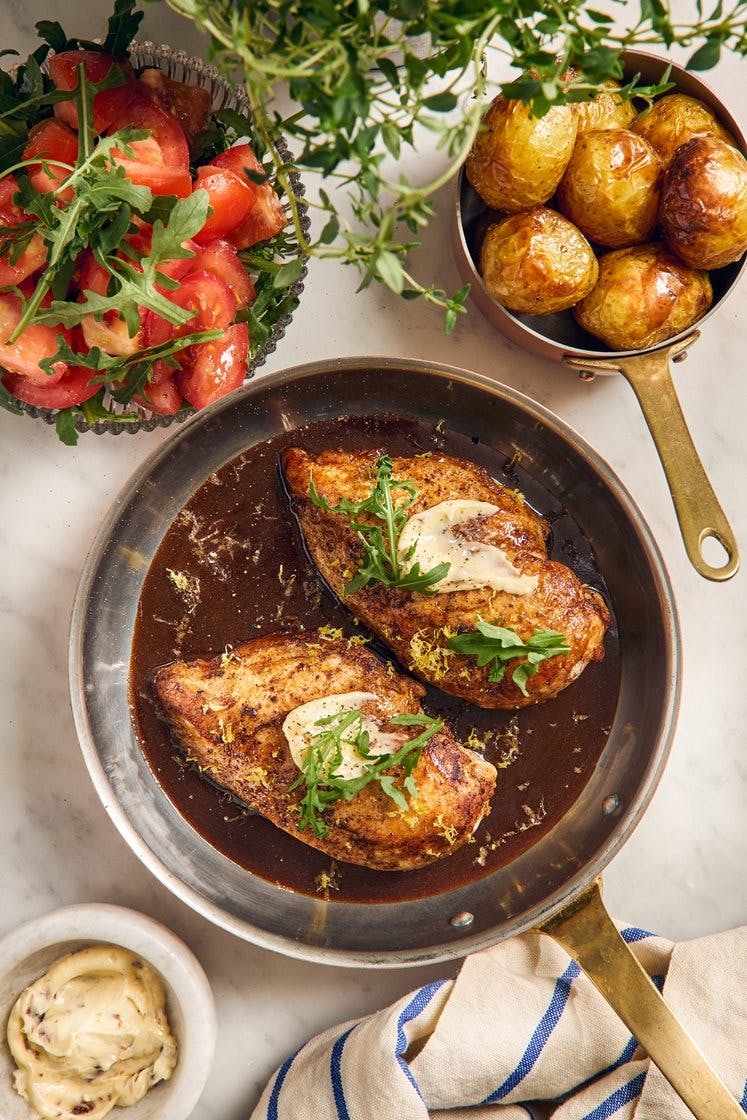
(161, 161)
(189, 105)
(10, 214)
(109, 333)
(209, 297)
(57, 142)
(220, 258)
(63, 70)
(35, 343)
(162, 397)
(73, 388)
(231, 198)
(32, 258)
(216, 369)
(267, 217)
(34, 255)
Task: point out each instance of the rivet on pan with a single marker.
(462, 919)
(680, 357)
(586, 375)
(610, 804)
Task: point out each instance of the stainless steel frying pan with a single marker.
(553, 885)
(559, 338)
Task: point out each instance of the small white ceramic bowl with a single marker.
(27, 953)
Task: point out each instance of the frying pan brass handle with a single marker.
(698, 511)
(588, 934)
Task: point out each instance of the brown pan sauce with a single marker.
(232, 566)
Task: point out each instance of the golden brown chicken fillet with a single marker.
(418, 627)
(229, 715)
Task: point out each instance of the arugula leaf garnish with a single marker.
(122, 28)
(318, 773)
(379, 537)
(135, 285)
(496, 646)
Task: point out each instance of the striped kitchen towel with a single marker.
(521, 1033)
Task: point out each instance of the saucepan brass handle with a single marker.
(698, 511)
(588, 934)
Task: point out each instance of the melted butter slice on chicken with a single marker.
(446, 533)
(497, 546)
(246, 719)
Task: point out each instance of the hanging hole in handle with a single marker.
(716, 553)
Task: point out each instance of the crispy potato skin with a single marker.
(703, 206)
(252, 692)
(559, 602)
(537, 262)
(606, 110)
(610, 188)
(644, 295)
(517, 160)
(673, 120)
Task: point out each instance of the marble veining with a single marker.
(681, 874)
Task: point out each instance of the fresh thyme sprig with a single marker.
(378, 538)
(324, 787)
(496, 646)
(370, 77)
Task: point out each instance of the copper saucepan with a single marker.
(553, 885)
(559, 338)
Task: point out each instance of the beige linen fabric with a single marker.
(521, 1033)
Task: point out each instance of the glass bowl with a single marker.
(184, 68)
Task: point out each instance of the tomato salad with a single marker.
(123, 272)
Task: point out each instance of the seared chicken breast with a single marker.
(418, 627)
(234, 715)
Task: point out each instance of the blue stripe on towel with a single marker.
(418, 1003)
(550, 1020)
(335, 1063)
(615, 1101)
(542, 1033)
(272, 1104)
(633, 933)
(743, 1102)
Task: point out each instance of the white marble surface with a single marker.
(682, 873)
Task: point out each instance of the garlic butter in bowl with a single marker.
(103, 1009)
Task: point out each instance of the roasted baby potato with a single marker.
(675, 119)
(607, 110)
(643, 296)
(703, 206)
(610, 188)
(537, 262)
(517, 160)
